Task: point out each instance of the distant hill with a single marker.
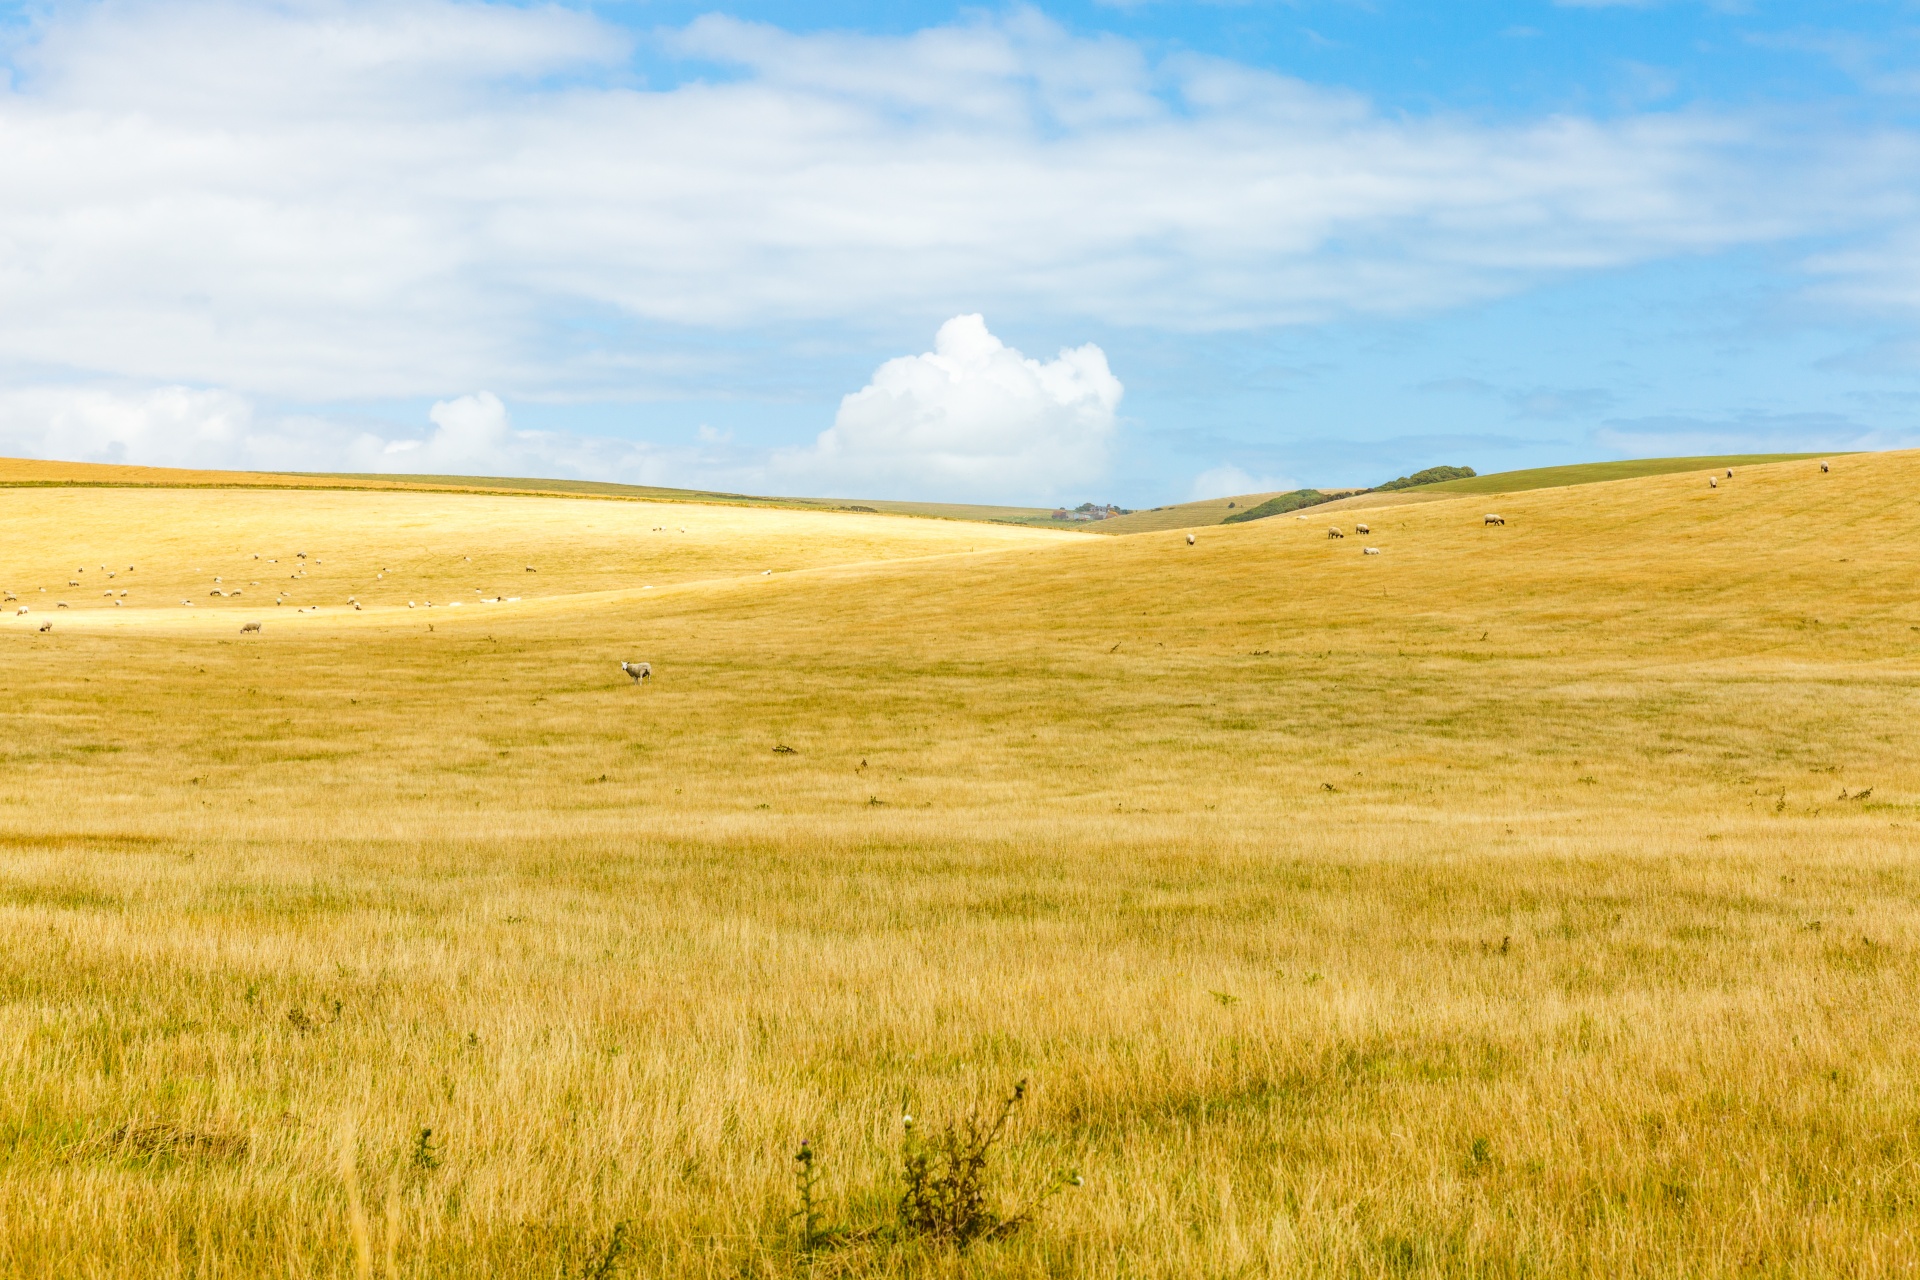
(1218, 511)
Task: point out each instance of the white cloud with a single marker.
(972, 417)
(1228, 481)
(331, 200)
(198, 427)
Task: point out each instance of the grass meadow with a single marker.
(1534, 900)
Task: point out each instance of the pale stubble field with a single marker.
(1487, 907)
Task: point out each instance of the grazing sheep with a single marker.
(1360, 528)
(531, 569)
(22, 609)
(1369, 551)
(1335, 533)
(638, 670)
(12, 596)
(1189, 539)
(46, 626)
(248, 626)
(216, 592)
(1729, 473)
(1712, 483)
(62, 605)
(1494, 519)
(1823, 468)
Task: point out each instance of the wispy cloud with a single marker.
(332, 200)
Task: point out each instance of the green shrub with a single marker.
(1432, 475)
(1280, 505)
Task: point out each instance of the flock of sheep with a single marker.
(220, 590)
(1491, 518)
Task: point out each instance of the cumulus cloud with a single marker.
(331, 200)
(971, 417)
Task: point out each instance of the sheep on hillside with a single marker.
(1712, 483)
(248, 626)
(46, 626)
(1494, 519)
(1369, 551)
(1360, 528)
(1335, 532)
(1189, 539)
(638, 670)
(1823, 468)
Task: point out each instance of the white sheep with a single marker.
(1360, 528)
(1494, 519)
(249, 626)
(22, 609)
(1823, 468)
(1712, 483)
(1369, 551)
(1335, 532)
(1189, 539)
(638, 670)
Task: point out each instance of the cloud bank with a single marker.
(330, 200)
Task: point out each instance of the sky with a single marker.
(1130, 252)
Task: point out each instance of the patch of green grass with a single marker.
(1596, 472)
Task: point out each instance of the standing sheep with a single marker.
(1823, 468)
(248, 626)
(638, 670)
(1494, 519)
(1189, 539)
(1335, 532)
(1712, 483)
(1360, 528)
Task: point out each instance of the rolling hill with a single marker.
(1522, 900)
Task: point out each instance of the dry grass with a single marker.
(1487, 907)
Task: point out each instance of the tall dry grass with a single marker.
(1487, 907)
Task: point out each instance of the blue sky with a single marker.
(1213, 248)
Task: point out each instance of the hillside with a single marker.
(17, 473)
(1215, 511)
(1523, 900)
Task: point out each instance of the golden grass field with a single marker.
(1528, 901)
